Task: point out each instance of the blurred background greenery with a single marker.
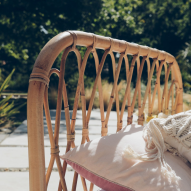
(27, 25)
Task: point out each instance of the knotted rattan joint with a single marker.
(103, 123)
(54, 151)
(40, 76)
(129, 120)
(85, 132)
(66, 107)
(71, 137)
(140, 119)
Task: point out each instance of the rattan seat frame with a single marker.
(38, 95)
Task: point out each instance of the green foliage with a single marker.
(26, 26)
(7, 108)
(184, 60)
(117, 19)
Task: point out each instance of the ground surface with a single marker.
(14, 151)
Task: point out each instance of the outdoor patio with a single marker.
(14, 167)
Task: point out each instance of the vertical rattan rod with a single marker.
(49, 125)
(95, 84)
(82, 178)
(137, 83)
(129, 92)
(61, 173)
(139, 86)
(128, 85)
(59, 98)
(35, 126)
(169, 93)
(176, 101)
(148, 84)
(81, 75)
(149, 93)
(177, 94)
(165, 87)
(52, 143)
(66, 108)
(114, 88)
(155, 88)
(49, 170)
(165, 67)
(83, 100)
(178, 78)
(48, 118)
(75, 179)
(68, 146)
(67, 118)
(158, 83)
(64, 167)
(172, 91)
(159, 89)
(166, 95)
(62, 93)
(91, 186)
(116, 91)
(84, 183)
(99, 89)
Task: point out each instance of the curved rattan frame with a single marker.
(38, 91)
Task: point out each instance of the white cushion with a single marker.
(102, 158)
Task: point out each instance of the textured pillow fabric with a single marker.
(176, 131)
(101, 161)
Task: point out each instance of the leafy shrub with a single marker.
(7, 107)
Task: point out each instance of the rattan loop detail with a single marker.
(54, 71)
(111, 45)
(74, 39)
(94, 43)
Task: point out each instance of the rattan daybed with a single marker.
(38, 96)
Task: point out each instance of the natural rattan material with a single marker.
(38, 95)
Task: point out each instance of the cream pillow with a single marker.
(101, 161)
